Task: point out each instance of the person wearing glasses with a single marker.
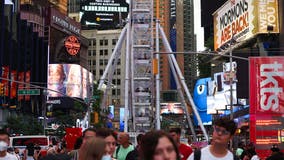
(224, 130)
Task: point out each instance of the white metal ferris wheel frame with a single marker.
(128, 35)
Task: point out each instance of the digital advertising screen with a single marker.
(266, 103)
(171, 108)
(103, 14)
(70, 80)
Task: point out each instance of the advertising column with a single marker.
(266, 103)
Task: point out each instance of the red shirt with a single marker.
(184, 151)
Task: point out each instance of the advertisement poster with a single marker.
(27, 85)
(68, 79)
(243, 19)
(171, 108)
(13, 91)
(266, 103)
(21, 76)
(5, 74)
(103, 14)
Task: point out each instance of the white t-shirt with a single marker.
(9, 157)
(255, 157)
(206, 155)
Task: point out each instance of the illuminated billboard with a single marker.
(103, 14)
(266, 103)
(212, 96)
(171, 108)
(243, 19)
(70, 80)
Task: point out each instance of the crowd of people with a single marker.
(105, 144)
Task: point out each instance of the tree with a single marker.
(24, 124)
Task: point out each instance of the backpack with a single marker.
(197, 155)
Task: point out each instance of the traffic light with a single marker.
(2, 89)
(96, 117)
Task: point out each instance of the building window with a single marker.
(105, 52)
(90, 62)
(118, 92)
(113, 92)
(94, 62)
(105, 61)
(101, 42)
(114, 41)
(105, 42)
(94, 52)
(101, 52)
(101, 72)
(118, 71)
(101, 62)
(89, 52)
(118, 82)
(118, 62)
(94, 72)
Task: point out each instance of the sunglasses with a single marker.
(222, 131)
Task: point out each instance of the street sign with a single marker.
(96, 97)
(28, 92)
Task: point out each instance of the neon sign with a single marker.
(72, 45)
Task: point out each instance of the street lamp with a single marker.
(44, 94)
(232, 41)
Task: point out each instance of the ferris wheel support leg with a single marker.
(176, 68)
(127, 67)
(117, 47)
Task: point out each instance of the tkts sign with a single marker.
(267, 83)
(266, 103)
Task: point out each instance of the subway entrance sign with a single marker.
(28, 92)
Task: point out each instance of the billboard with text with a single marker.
(266, 103)
(243, 19)
(103, 14)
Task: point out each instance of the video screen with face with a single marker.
(171, 108)
(69, 80)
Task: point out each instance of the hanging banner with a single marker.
(266, 103)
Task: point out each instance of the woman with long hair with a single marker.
(94, 149)
(158, 145)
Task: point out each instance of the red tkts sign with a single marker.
(266, 103)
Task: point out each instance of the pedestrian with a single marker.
(184, 149)
(93, 149)
(224, 130)
(158, 145)
(4, 143)
(252, 152)
(276, 154)
(110, 139)
(88, 133)
(240, 149)
(124, 146)
(134, 155)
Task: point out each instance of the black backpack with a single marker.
(197, 155)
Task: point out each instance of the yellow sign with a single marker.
(243, 19)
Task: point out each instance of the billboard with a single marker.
(266, 103)
(70, 80)
(243, 19)
(212, 96)
(171, 108)
(103, 14)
